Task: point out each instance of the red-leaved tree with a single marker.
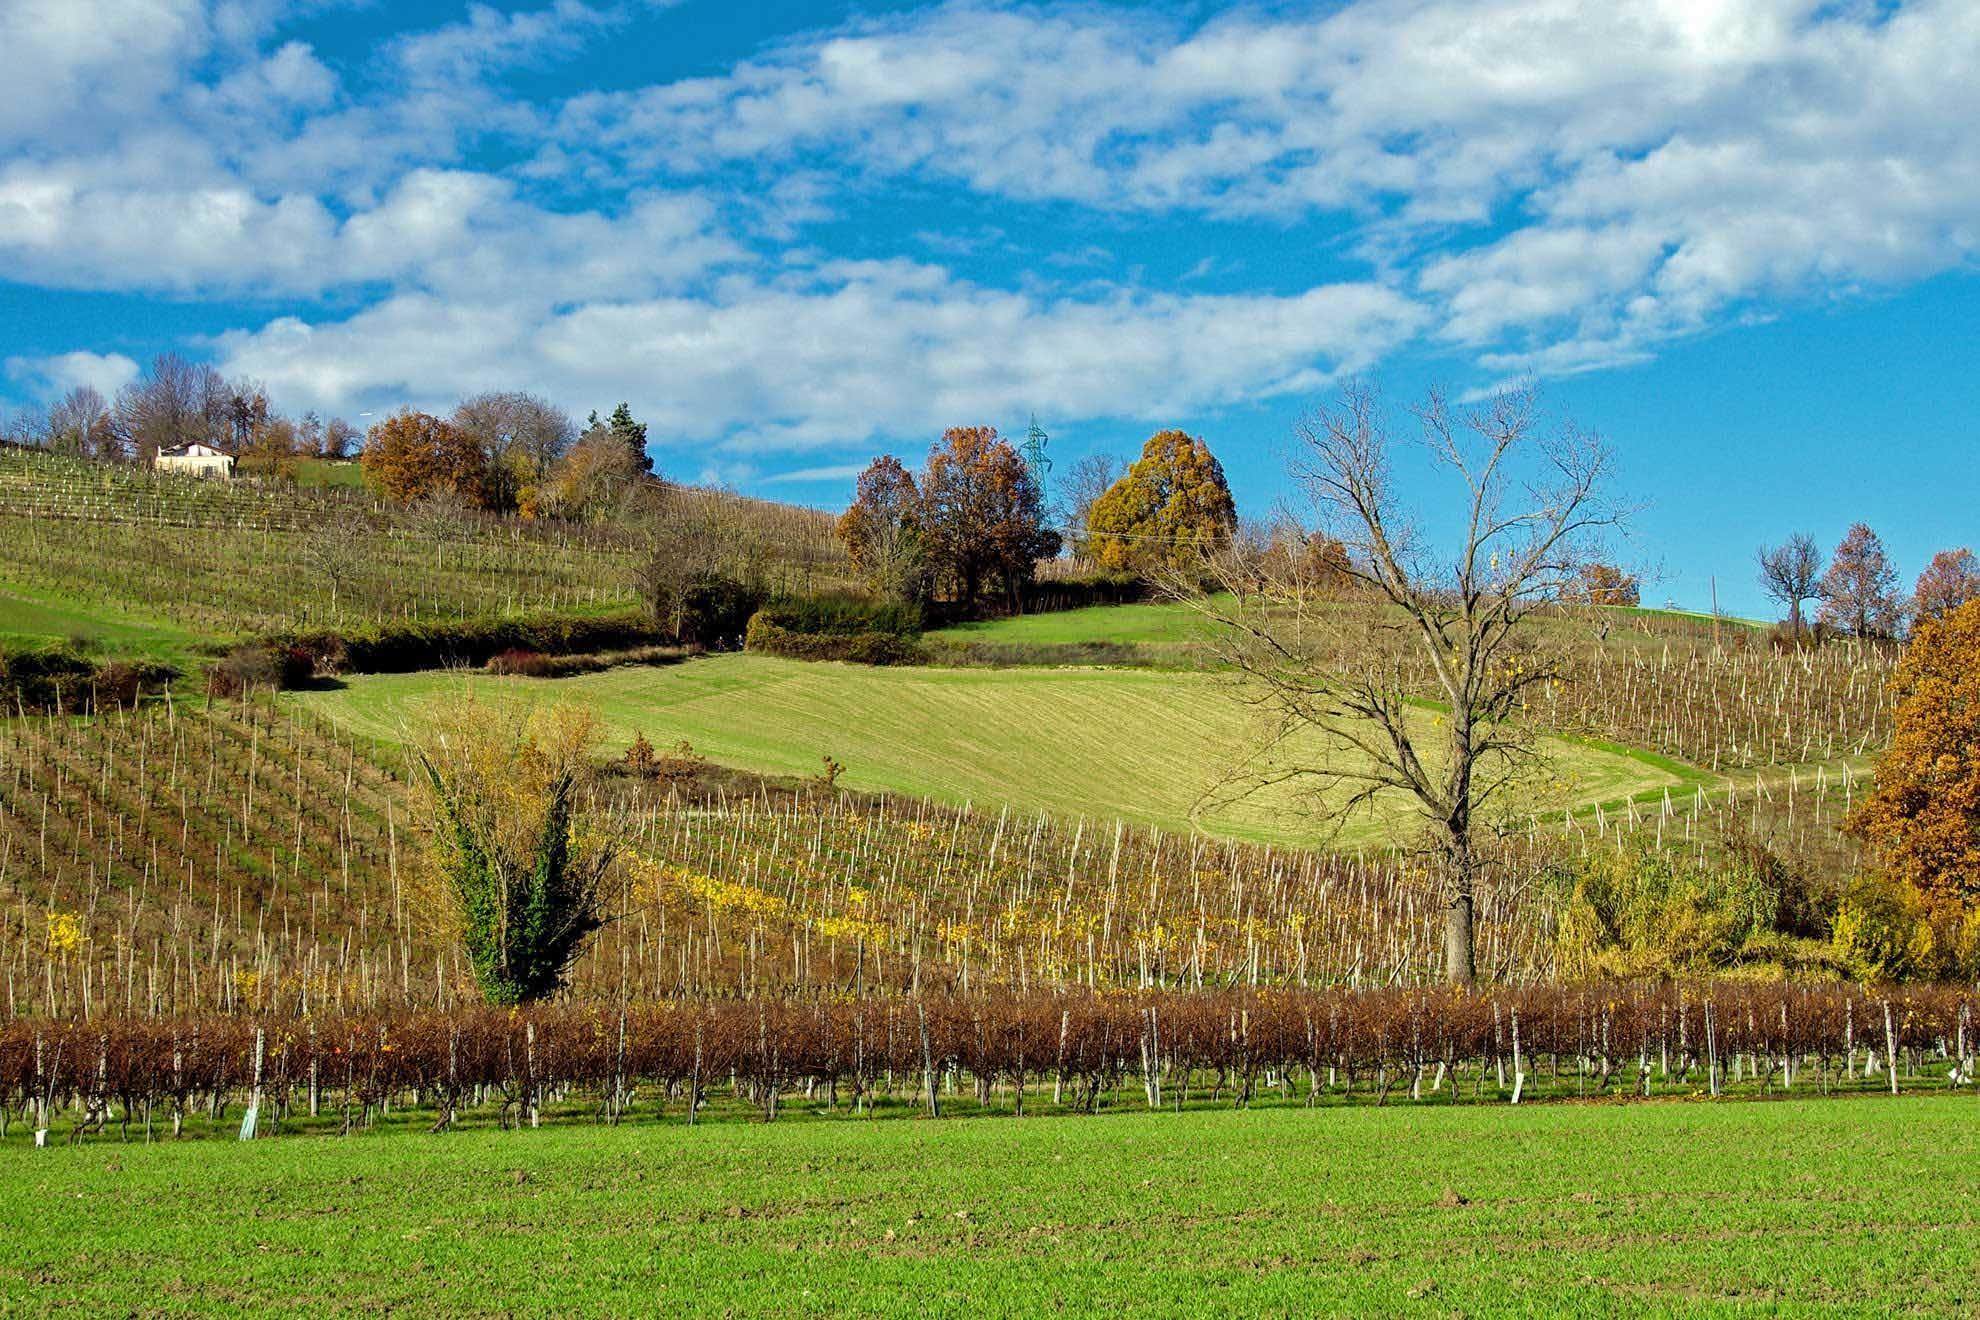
(1948, 582)
(1859, 592)
(983, 514)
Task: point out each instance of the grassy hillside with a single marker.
(1799, 1206)
(1140, 745)
(1168, 630)
(1153, 624)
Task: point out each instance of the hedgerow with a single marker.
(767, 637)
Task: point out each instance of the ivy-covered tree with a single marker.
(522, 874)
(1172, 507)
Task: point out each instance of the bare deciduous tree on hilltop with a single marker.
(1342, 676)
(81, 425)
(522, 437)
(1790, 573)
(178, 402)
(1085, 482)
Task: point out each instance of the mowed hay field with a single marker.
(1856, 1207)
(1132, 744)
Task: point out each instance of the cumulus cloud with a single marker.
(113, 59)
(50, 377)
(1544, 186)
(838, 353)
(1656, 161)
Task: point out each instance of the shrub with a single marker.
(269, 666)
(842, 615)
(402, 648)
(1076, 593)
(1644, 912)
(715, 612)
(534, 664)
(521, 663)
(61, 679)
(54, 678)
(766, 637)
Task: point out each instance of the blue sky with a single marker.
(1738, 238)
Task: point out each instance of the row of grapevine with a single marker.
(1090, 1048)
(245, 855)
(1725, 709)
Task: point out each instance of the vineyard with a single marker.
(228, 558)
(1309, 1047)
(250, 856)
(1730, 709)
(255, 857)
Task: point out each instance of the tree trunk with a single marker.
(1460, 942)
(1460, 965)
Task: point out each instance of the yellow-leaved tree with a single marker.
(1170, 509)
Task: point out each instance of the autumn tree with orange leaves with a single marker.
(881, 531)
(1923, 817)
(1171, 508)
(1604, 584)
(413, 456)
(983, 515)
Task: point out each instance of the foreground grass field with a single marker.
(1110, 743)
(1836, 1207)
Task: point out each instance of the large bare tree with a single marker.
(1791, 573)
(1392, 647)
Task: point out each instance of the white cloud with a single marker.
(49, 378)
(836, 354)
(833, 472)
(1657, 161)
(69, 66)
(1548, 186)
(450, 231)
(489, 40)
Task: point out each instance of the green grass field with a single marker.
(37, 620)
(1854, 1207)
(1111, 743)
(1168, 631)
(1147, 624)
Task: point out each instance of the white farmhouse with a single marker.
(195, 460)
